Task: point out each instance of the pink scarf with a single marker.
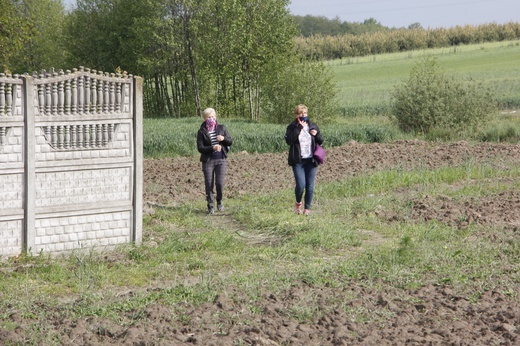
(211, 123)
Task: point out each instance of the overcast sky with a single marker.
(401, 13)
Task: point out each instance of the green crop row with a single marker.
(177, 137)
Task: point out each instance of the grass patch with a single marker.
(191, 258)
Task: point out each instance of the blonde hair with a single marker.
(207, 112)
(300, 108)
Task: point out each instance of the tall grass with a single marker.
(177, 137)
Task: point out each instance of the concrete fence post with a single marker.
(29, 164)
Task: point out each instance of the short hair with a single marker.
(208, 111)
(300, 108)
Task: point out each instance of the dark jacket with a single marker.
(204, 141)
(291, 138)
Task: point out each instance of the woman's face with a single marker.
(301, 113)
(210, 115)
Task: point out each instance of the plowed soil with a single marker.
(431, 315)
(442, 317)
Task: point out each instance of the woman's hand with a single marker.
(220, 138)
(217, 147)
(313, 132)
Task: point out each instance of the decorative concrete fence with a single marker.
(70, 161)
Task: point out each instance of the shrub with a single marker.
(430, 100)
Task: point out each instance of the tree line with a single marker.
(319, 25)
(321, 47)
(234, 55)
(246, 58)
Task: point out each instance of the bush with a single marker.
(429, 100)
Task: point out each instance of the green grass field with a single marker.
(365, 84)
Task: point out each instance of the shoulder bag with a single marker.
(319, 154)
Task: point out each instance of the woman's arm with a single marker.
(318, 138)
(292, 133)
(228, 141)
(201, 146)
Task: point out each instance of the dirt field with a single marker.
(442, 317)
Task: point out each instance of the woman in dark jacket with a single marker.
(213, 141)
(302, 135)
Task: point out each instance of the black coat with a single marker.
(291, 138)
(204, 145)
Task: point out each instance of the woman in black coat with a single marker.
(213, 141)
(302, 135)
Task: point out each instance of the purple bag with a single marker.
(319, 154)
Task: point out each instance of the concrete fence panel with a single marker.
(70, 161)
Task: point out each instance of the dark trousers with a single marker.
(304, 174)
(214, 176)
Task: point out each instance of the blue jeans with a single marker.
(304, 174)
